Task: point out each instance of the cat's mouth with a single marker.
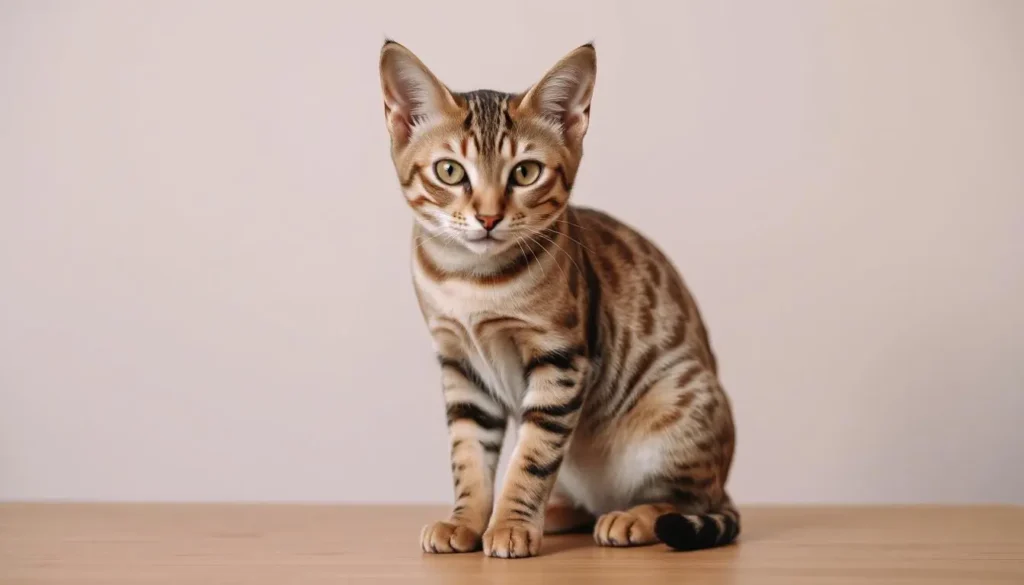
(483, 236)
(485, 243)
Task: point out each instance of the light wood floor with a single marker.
(212, 544)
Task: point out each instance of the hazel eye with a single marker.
(526, 173)
(449, 172)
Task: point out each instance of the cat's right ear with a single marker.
(563, 96)
(413, 96)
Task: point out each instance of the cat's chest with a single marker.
(487, 323)
(495, 357)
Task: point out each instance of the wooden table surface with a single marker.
(138, 544)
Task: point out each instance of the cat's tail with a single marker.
(687, 532)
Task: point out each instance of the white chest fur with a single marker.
(490, 350)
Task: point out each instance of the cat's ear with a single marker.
(412, 94)
(563, 95)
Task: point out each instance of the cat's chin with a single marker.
(486, 246)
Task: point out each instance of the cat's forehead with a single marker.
(487, 118)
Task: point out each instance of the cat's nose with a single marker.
(489, 221)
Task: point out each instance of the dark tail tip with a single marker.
(696, 532)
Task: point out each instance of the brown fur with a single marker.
(561, 319)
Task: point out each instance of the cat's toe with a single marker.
(624, 529)
(445, 537)
(512, 541)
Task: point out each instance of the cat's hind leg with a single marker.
(677, 445)
(563, 516)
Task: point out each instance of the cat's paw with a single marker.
(624, 529)
(512, 540)
(445, 537)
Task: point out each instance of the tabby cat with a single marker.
(556, 317)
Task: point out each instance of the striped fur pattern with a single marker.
(558, 319)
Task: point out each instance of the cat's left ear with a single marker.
(412, 94)
(563, 95)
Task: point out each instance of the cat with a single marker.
(557, 317)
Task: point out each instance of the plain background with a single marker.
(204, 287)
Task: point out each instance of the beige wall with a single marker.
(203, 265)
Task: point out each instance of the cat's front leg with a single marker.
(476, 428)
(550, 411)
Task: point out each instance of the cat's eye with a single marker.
(526, 173)
(449, 172)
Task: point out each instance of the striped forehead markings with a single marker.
(488, 118)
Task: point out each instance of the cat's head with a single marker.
(485, 169)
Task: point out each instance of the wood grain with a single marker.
(140, 544)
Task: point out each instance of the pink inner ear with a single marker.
(398, 121)
(575, 122)
(390, 98)
(401, 127)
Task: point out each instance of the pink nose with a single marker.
(489, 221)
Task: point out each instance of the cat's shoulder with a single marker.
(607, 229)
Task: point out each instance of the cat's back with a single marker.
(619, 249)
(646, 302)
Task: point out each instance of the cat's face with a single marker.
(486, 170)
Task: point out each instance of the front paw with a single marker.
(512, 540)
(445, 537)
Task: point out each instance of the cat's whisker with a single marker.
(575, 225)
(579, 243)
(555, 244)
(520, 244)
(553, 257)
(422, 241)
